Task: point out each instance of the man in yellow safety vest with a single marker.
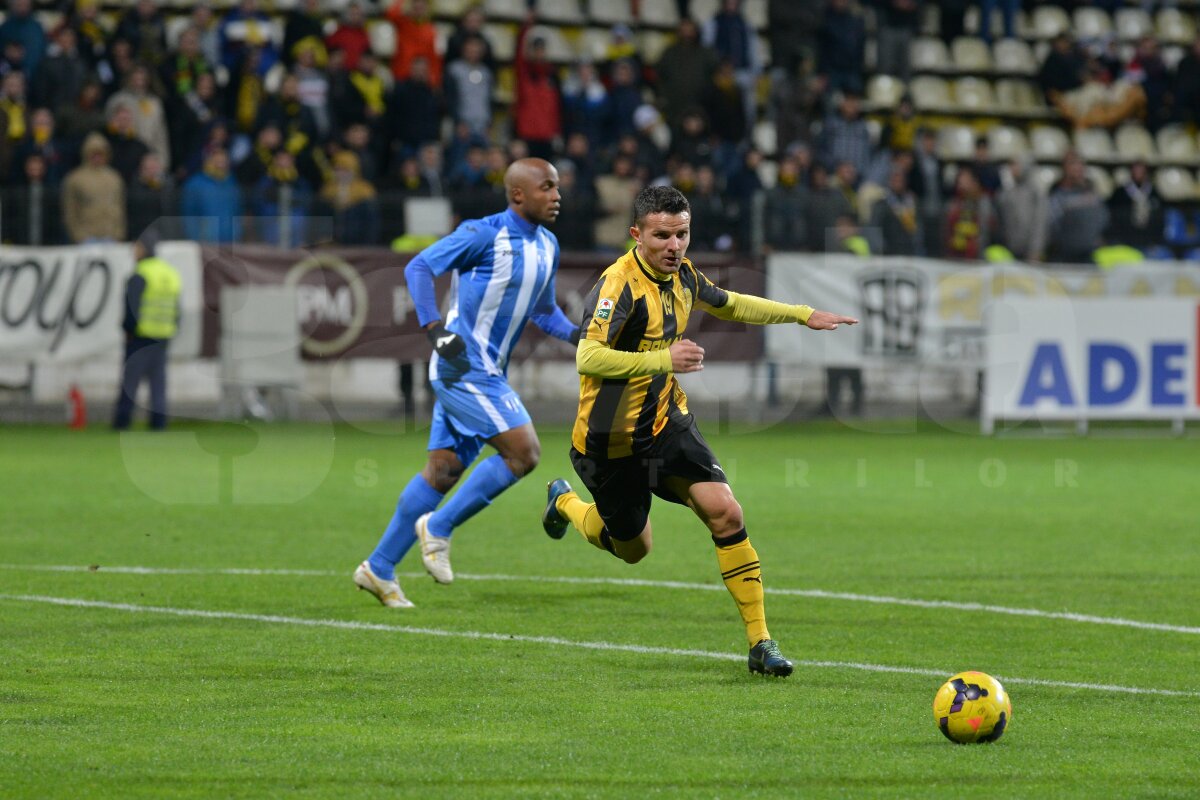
(150, 321)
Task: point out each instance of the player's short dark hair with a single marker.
(659, 199)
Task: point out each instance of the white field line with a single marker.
(819, 594)
(553, 640)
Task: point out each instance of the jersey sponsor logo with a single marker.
(648, 345)
(604, 309)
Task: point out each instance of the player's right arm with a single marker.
(607, 307)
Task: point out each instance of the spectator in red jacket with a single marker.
(538, 108)
(415, 38)
(351, 36)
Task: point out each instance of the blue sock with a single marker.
(486, 482)
(417, 498)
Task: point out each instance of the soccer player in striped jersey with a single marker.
(502, 276)
(634, 436)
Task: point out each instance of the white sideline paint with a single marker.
(819, 594)
(551, 640)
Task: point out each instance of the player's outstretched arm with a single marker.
(828, 321)
(761, 311)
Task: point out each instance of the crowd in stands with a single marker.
(234, 128)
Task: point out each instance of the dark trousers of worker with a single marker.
(145, 359)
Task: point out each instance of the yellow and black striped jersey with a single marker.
(633, 310)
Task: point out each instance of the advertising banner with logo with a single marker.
(1088, 358)
(929, 312)
(62, 304)
(353, 301)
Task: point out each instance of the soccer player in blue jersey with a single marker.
(502, 276)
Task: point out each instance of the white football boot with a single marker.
(435, 551)
(387, 592)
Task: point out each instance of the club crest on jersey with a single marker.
(604, 309)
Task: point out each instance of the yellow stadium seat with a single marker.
(1007, 142)
(1094, 144)
(927, 54)
(956, 143)
(930, 93)
(1091, 23)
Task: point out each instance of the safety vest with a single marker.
(157, 316)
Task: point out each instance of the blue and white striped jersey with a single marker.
(503, 276)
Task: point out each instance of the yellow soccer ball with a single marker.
(972, 707)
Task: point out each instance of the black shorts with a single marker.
(622, 487)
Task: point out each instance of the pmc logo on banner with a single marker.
(892, 302)
(331, 301)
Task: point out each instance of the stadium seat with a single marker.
(973, 20)
(768, 172)
(884, 91)
(1120, 176)
(383, 38)
(659, 13)
(1094, 144)
(1102, 182)
(971, 54)
(1013, 56)
(1092, 23)
(609, 12)
(1006, 142)
(701, 10)
(930, 93)
(651, 44)
(1172, 55)
(503, 39)
(442, 31)
(755, 12)
(505, 9)
(561, 12)
(1134, 142)
(558, 49)
(956, 143)
(1050, 21)
(764, 137)
(874, 131)
(1132, 24)
(1174, 26)
(1047, 176)
(1048, 144)
(593, 43)
(928, 55)
(175, 26)
(1175, 185)
(1018, 97)
(1176, 145)
(973, 94)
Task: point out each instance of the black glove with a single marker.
(446, 343)
(575, 334)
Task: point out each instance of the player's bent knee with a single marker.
(726, 519)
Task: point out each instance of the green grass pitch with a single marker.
(207, 683)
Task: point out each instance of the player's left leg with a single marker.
(491, 410)
(713, 502)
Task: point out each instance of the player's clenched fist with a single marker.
(686, 356)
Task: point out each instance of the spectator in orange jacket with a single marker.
(415, 38)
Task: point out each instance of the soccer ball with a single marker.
(972, 707)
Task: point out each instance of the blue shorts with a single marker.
(469, 411)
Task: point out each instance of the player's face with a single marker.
(541, 198)
(663, 239)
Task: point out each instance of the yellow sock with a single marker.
(743, 578)
(583, 516)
